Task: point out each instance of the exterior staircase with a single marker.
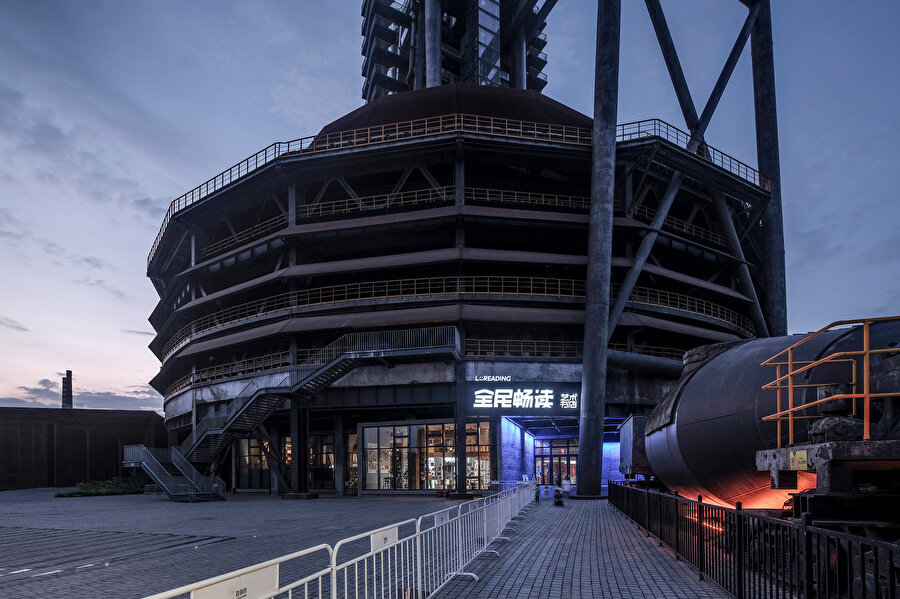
(174, 474)
(265, 393)
(260, 398)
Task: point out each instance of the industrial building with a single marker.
(398, 303)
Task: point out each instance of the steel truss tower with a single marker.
(601, 318)
(423, 43)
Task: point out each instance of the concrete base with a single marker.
(587, 497)
(300, 496)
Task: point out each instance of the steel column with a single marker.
(596, 321)
(676, 74)
(744, 278)
(767, 158)
(432, 43)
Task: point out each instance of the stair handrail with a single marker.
(393, 340)
(141, 454)
(295, 377)
(203, 484)
(218, 421)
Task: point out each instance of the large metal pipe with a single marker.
(702, 438)
(432, 43)
(596, 310)
(763, 60)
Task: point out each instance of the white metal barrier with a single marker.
(409, 559)
(263, 581)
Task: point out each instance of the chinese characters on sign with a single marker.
(523, 399)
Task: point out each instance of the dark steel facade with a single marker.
(308, 292)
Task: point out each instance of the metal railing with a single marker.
(673, 353)
(392, 132)
(377, 341)
(353, 292)
(218, 420)
(209, 485)
(646, 214)
(265, 579)
(686, 303)
(231, 370)
(542, 348)
(663, 130)
(448, 124)
(151, 460)
(412, 558)
(524, 198)
(751, 555)
(355, 344)
(257, 230)
(403, 199)
(785, 381)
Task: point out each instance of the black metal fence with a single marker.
(753, 556)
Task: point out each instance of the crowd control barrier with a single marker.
(412, 559)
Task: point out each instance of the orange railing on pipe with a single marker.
(784, 381)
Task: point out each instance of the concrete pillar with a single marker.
(193, 250)
(340, 455)
(432, 43)
(460, 427)
(763, 58)
(596, 321)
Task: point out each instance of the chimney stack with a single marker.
(67, 390)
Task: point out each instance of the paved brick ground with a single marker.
(136, 545)
(583, 549)
(133, 546)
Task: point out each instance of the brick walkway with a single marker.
(583, 549)
(133, 546)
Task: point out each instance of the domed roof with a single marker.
(462, 98)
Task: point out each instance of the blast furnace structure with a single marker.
(397, 303)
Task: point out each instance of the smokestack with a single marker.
(67, 390)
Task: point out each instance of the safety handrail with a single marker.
(796, 367)
(439, 125)
(392, 288)
(151, 463)
(204, 484)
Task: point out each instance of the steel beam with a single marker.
(763, 60)
(744, 278)
(670, 55)
(727, 70)
(596, 317)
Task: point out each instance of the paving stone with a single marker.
(133, 546)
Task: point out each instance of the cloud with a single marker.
(46, 393)
(136, 332)
(11, 228)
(15, 325)
(102, 285)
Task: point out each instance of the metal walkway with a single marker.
(583, 549)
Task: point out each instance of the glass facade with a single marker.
(321, 461)
(423, 456)
(482, 45)
(252, 468)
(553, 459)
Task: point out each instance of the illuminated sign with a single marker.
(522, 397)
